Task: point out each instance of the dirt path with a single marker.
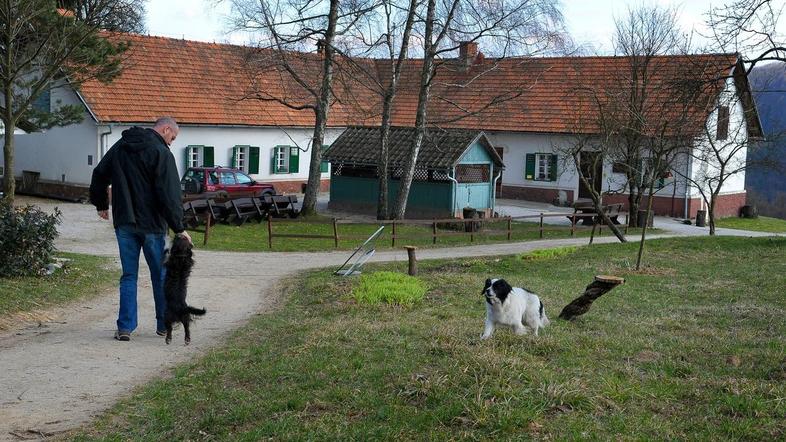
(59, 374)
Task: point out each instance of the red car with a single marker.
(223, 182)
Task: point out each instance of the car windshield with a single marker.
(242, 178)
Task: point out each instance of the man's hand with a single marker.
(185, 235)
(103, 214)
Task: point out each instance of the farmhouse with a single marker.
(232, 113)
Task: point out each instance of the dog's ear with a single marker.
(486, 287)
(501, 288)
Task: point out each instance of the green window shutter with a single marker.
(553, 167)
(323, 166)
(253, 159)
(234, 157)
(529, 172)
(187, 157)
(207, 156)
(273, 160)
(294, 160)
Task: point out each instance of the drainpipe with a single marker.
(494, 193)
(453, 193)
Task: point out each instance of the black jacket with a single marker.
(145, 184)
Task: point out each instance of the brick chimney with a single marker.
(468, 50)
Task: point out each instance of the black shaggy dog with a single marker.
(178, 261)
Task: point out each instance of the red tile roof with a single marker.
(204, 83)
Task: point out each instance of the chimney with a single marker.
(468, 50)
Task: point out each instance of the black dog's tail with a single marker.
(196, 311)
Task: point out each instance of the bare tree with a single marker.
(287, 29)
(749, 28)
(42, 47)
(524, 26)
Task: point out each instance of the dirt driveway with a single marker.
(58, 374)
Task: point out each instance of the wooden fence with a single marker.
(471, 227)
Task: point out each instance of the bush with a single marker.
(27, 239)
(389, 287)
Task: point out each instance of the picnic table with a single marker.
(591, 217)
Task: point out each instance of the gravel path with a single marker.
(59, 374)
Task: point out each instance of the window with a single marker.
(541, 167)
(227, 178)
(43, 101)
(472, 173)
(324, 165)
(199, 156)
(2, 170)
(284, 159)
(246, 158)
(723, 123)
(242, 178)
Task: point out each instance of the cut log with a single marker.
(600, 285)
(413, 261)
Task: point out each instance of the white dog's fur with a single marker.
(512, 306)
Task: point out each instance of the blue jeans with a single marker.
(129, 241)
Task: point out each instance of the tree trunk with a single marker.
(644, 227)
(382, 167)
(597, 203)
(420, 117)
(711, 211)
(600, 285)
(9, 184)
(314, 172)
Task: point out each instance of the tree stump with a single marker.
(581, 305)
(413, 262)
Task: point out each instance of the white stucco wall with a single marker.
(60, 153)
(224, 138)
(734, 148)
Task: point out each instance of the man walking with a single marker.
(146, 199)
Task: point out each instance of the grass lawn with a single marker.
(82, 277)
(693, 347)
(253, 237)
(760, 224)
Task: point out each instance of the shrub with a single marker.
(27, 239)
(389, 287)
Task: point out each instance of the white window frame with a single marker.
(241, 158)
(195, 155)
(282, 159)
(544, 160)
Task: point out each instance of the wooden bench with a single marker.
(585, 212)
(221, 212)
(280, 205)
(245, 209)
(195, 213)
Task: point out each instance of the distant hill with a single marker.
(767, 187)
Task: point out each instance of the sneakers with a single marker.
(161, 332)
(122, 336)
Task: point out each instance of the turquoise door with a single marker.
(475, 195)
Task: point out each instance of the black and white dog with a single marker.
(178, 260)
(512, 306)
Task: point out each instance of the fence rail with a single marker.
(470, 227)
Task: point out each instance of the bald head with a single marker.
(167, 128)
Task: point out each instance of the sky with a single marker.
(590, 22)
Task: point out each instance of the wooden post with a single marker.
(413, 262)
(541, 225)
(471, 229)
(335, 232)
(600, 285)
(573, 225)
(434, 234)
(207, 227)
(510, 219)
(393, 235)
(269, 232)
